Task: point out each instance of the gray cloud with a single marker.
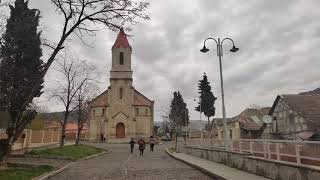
(278, 54)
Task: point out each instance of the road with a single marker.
(121, 165)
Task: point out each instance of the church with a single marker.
(120, 112)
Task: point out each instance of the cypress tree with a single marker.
(20, 68)
(207, 99)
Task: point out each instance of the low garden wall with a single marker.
(31, 139)
(273, 169)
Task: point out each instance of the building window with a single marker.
(94, 112)
(121, 58)
(146, 111)
(103, 111)
(230, 133)
(137, 111)
(121, 93)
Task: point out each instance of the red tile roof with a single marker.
(100, 101)
(141, 100)
(121, 40)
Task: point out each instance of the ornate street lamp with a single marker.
(220, 54)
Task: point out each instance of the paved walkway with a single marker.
(120, 164)
(220, 170)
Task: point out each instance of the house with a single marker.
(296, 117)
(53, 125)
(247, 125)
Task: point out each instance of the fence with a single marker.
(300, 152)
(31, 139)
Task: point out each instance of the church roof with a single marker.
(121, 40)
(100, 101)
(141, 100)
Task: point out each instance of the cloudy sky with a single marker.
(278, 43)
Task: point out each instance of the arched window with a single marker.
(121, 58)
(121, 93)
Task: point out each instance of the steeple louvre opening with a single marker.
(121, 58)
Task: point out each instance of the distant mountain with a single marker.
(56, 116)
(314, 92)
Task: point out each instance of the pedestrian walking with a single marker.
(132, 142)
(152, 142)
(101, 137)
(142, 146)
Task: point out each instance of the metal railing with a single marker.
(300, 152)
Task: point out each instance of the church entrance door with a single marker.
(120, 130)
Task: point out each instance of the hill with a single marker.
(313, 92)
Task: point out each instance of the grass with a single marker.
(72, 151)
(23, 172)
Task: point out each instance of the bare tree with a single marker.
(81, 17)
(255, 106)
(85, 93)
(76, 76)
(164, 115)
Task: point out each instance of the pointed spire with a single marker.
(121, 40)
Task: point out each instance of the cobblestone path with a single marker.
(120, 165)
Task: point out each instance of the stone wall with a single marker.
(263, 167)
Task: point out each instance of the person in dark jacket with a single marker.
(142, 146)
(152, 142)
(101, 137)
(132, 142)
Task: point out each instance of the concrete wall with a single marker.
(260, 166)
(34, 139)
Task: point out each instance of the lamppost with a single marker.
(220, 54)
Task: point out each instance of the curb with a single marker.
(55, 172)
(196, 166)
(50, 157)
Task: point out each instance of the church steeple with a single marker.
(121, 58)
(121, 40)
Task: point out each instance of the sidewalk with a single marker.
(217, 170)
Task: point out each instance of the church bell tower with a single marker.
(121, 58)
(121, 91)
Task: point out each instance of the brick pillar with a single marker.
(29, 141)
(278, 151)
(51, 137)
(42, 138)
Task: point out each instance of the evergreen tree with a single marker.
(207, 99)
(178, 115)
(20, 68)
